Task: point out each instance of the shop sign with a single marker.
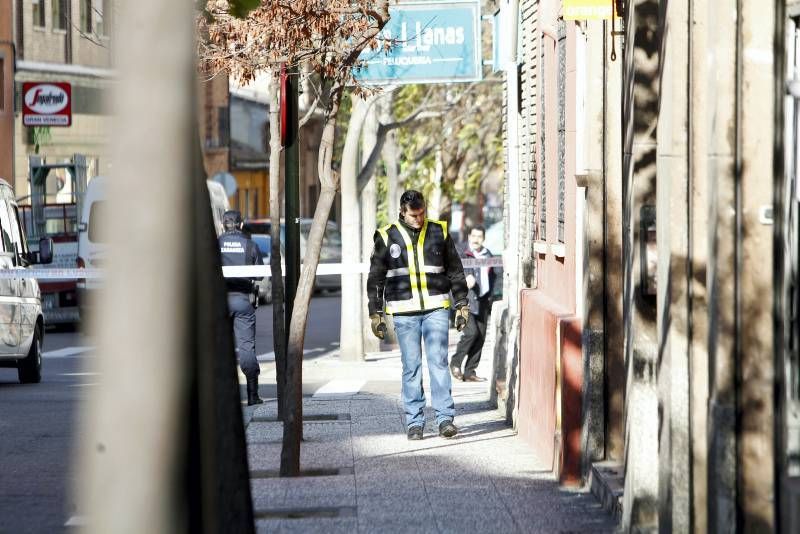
(430, 42)
(588, 9)
(46, 104)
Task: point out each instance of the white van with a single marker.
(92, 246)
(92, 243)
(21, 318)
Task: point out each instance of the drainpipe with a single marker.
(511, 263)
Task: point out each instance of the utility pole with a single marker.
(291, 172)
(293, 416)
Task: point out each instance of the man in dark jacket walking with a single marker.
(480, 281)
(413, 269)
(237, 248)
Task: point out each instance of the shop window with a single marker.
(38, 13)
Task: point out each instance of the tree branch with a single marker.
(312, 108)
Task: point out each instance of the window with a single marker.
(223, 126)
(86, 16)
(16, 230)
(562, 127)
(59, 14)
(104, 19)
(5, 228)
(38, 13)
(97, 222)
(542, 234)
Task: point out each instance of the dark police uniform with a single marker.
(237, 249)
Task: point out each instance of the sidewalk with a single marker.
(361, 474)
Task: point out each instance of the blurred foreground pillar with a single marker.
(163, 447)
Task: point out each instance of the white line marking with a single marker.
(79, 374)
(339, 388)
(76, 521)
(239, 271)
(266, 357)
(83, 385)
(270, 356)
(66, 352)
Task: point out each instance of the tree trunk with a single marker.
(293, 418)
(391, 156)
(350, 341)
(278, 328)
(436, 193)
(369, 221)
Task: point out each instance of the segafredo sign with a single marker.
(46, 104)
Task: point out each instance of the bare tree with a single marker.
(326, 39)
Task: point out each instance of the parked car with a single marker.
(21, 320)
(331, 247)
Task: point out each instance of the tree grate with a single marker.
(317, 418)
(318, 472)
(303, 513)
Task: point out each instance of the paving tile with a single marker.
(335, 525)
(476, 519)
(303, 492)
(273, 432)
(400, 523)
(267, 456)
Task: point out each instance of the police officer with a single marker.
(413, 269)
(238, 249)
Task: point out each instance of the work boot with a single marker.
(415, 433)
(252, 392)
(447, 429)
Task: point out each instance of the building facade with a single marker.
(64, 41)
(648, 341)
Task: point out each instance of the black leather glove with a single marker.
(462, 316)
(378, 325)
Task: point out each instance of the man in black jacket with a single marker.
(480, 281)
(413, 269)
(238, 249)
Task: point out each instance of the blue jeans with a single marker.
(411, 330)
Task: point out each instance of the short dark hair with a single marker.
(231, 219)
(480, 228)
(411, 199)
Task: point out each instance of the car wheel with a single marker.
(30, 368)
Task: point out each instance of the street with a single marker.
(38, 422)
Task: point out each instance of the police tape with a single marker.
(243, 271)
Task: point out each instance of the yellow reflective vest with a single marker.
(416, 274)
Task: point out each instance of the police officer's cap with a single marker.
(232, 217)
